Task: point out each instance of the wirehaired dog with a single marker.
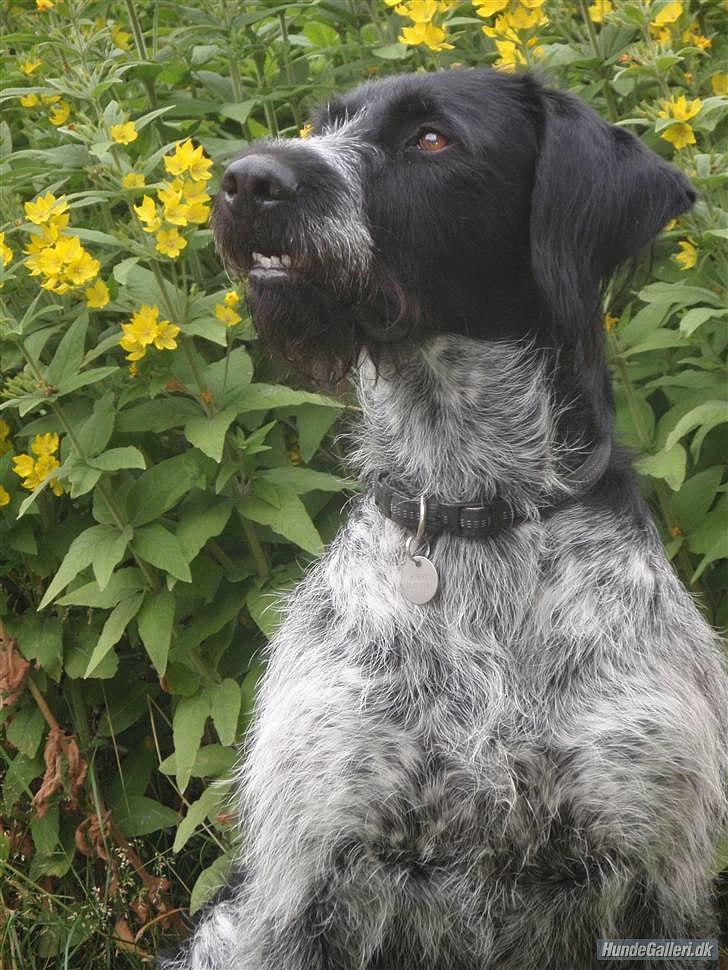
(493, 725)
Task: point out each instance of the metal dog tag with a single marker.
(418, 580)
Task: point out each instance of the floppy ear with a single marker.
(599, 196)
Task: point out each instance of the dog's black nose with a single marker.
(259, 180)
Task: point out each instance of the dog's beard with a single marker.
(321, 328)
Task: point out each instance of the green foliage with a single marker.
(154, 509)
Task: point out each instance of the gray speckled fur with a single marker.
(494, 780)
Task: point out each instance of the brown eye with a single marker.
(432, 141)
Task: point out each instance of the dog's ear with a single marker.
(599, 197)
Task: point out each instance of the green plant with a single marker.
(162, 483)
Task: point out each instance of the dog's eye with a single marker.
(432, 141)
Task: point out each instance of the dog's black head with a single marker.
(464, 201)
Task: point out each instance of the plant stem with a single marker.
(42, 704)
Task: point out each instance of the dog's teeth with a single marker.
(264, 261)
(286, 260)
(257, 257)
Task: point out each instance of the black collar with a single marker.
(483, 521)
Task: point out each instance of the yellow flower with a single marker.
(170, 242)
(428, 34)
(59, 114)
(133, 180)
(228, 316)
(510, 55)
(175, 210)
(669, 14)
(50, 98)
(4, 497)
(694, 38)
(599, 10)
(44, 208)
(196, 198)
(44, 5)
(97, 295)
(305, 132)
(719, 84)
(45, 444)
(420, 11)
(610, 322)
(669, 225)
(231, 298)
(29, 100)
(120, 38)
(124, 134)
(6, 253)
(680, 134)
(30, 67)
(521, 19)
(145, 329)
(82, 269)
(45, 465)
(188, 159)
(688, 255)
(486, 8)
(146, 212)
(23, 465)
(164, 339)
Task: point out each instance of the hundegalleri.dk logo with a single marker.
(657, 949)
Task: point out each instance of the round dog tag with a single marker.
(419, 580)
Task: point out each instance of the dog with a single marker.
(493, 724)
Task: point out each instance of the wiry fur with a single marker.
(531, 761)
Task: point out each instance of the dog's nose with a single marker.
(259, 180)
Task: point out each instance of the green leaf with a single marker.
(291, 521)
(210, 880)
(156, 545)
(117, 458)
(78, 653)
(188, 724)
(113, 630)
(263, 397)
(679, 293)
(706, 416)
(696, 496)
(264, 605)
(95, 432)
(717, 550)
(302, 480)
(229, 377)
(76, 381)
(238, 111)
(139, 815)
(697, 317)
(161, 487)
(212, 761)
(119, 586)
(200, 523)
(225, 709)
(313, 422)
(79, 555)
(108, 555)
(206, 804)
(25, 730)
(40, 638)
(208, 434)
(657, 340)
(155, 621)
(67, 359)
(158, 415)
(668, 464)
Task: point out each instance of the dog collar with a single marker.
(428, 517)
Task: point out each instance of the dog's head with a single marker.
(464, 201)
